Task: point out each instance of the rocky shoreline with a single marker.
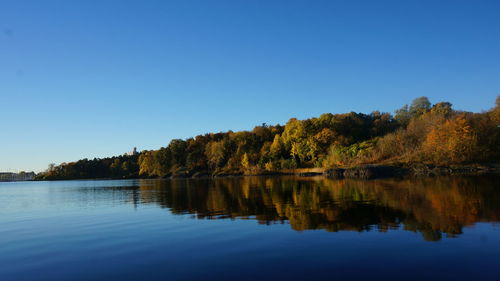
(359, 172)
(382, 171)
(364, 172)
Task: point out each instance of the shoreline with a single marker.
(383, 171)
(364, 172)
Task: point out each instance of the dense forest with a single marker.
(417, 133)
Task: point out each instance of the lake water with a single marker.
(254, 228)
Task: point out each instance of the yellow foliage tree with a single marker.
(452, 142)
(245, 162)
(269, 166)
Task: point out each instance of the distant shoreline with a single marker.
(22, 176)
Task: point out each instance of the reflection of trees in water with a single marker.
(431, 206)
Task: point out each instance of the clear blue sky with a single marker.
(84, 79)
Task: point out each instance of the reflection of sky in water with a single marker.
(144, 229)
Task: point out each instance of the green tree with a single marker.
(419, 106)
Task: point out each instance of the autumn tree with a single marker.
(452, 142)
(216, 153)
(245, 162)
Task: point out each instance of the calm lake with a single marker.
(252, 228)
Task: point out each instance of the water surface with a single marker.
(251, 228)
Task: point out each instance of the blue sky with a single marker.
(84, 79)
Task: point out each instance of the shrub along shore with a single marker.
(420, 139)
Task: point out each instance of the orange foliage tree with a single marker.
(454, 141)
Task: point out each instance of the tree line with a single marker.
(417, 133)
